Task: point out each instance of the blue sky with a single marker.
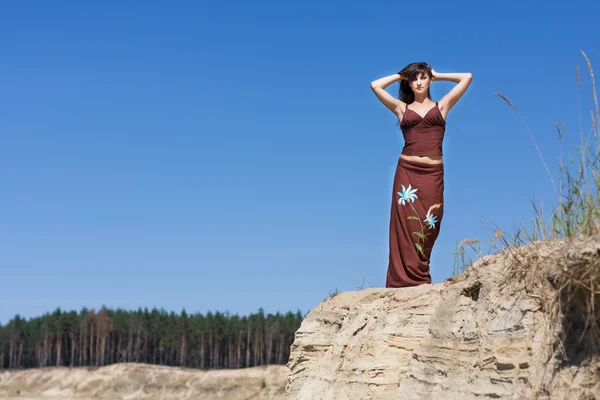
(231, 155)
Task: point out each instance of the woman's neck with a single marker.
(421, 99)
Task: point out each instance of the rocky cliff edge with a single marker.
(517, 325)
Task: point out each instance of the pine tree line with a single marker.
(89, 338)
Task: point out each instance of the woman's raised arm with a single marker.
(463, 80)
(378, 86)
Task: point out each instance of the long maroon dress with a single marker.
(417, 200)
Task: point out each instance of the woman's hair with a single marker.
(410, 72)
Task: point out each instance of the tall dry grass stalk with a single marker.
(578, 211)
(462, 259)
(532, 138)
(591, 71)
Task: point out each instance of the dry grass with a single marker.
(576, 302)
(462, 257)
(577, 211)
(532, 139)
(591, 71)
(332, 294)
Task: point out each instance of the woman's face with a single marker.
(420, 84)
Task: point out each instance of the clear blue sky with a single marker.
(230, 155)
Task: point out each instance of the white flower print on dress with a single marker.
(407, 194)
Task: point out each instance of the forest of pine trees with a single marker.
(97, 338)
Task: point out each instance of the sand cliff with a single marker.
(507, 328)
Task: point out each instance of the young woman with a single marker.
(418, 191)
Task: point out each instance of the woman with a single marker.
(418, 192)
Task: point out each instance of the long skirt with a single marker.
(416, 216)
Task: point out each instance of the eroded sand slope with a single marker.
(140, 382)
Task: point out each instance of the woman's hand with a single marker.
(433, 74)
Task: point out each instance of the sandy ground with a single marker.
(141, 382)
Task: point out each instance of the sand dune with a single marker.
(140, 381)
